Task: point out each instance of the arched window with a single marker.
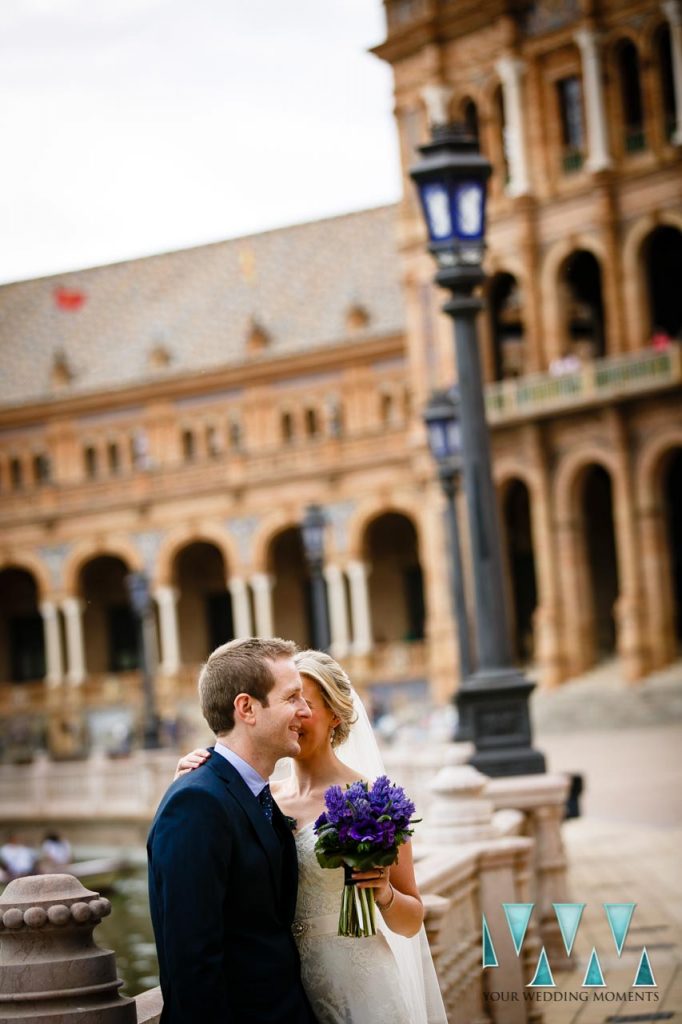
(662, 252)
(91, 462)
(213, 446)
(627, 60)
(584, 307)
(387, 408)
(114, 458)
(41, 468)
(570, 99)
(664, 63)
(507, 326)
(188, 446)
(16, 474)
(287, 427)
(311, 426)
(470, 117)
(498, 104)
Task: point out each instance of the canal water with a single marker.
(128, 931)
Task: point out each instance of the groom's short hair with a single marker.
(240, 666)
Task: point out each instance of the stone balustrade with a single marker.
(484, 842)
(594, 382)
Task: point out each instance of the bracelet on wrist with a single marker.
(387, 906)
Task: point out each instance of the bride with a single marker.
(388, 978)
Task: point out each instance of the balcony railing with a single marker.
(544, 394)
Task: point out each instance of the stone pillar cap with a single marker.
(37, 900)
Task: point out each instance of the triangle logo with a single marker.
(568, 915)
(489, 955)
(619, 916)
(645, 976)
(594, 977)
(543, 974)
(518, 916)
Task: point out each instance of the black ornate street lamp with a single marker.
(443, 429)
(312, 534)
(141, 602)
(451, 179)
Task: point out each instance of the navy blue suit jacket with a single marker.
(222, 895)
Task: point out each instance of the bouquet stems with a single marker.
(358, 914)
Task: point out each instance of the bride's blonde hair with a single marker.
(335, 686)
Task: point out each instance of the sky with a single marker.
(130, 127)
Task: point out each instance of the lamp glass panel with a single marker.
(469, 201)
(436, 203)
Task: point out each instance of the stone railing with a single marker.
(544, 394)
(483, 843)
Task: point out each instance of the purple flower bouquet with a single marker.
(362, 828)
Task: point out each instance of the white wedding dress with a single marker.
(347, 980)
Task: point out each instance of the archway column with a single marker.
(511, 71)
(547, 618)
(673, 12)
(629, 609)
(167, 601)
(599, 158)
(338, 612)
(578, 635)
(262, 584)
(657, 585)
(72, 609)
(54, 673)
(359, 596)
(241, 610)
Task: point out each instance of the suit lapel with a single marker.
(290, 862)
(261, 826)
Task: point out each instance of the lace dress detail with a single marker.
(348, 981)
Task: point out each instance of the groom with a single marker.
(222, 860)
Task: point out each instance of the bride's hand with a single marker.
(377, 879)
(188, 762)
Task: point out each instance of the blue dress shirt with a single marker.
(253, 780)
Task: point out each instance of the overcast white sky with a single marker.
(131, 127)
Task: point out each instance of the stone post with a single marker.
(241, 612)
(598, 145)
(72, 608)
(359, 599)
(338, 612)
(51, 968)
(262, 593)
(166, 599)
(673, 12)
(53, 645)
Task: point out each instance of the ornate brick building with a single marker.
(176, 414)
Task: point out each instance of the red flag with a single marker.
(69, 298)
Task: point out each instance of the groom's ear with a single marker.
(243, 709)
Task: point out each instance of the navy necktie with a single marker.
(266, 802)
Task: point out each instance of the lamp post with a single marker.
(312, 534)
(443, 428)
(141, 602)
(451, 179)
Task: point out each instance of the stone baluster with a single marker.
(51, 967)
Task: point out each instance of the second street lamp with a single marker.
(451, 179)
(312, 534)
(441, 417)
